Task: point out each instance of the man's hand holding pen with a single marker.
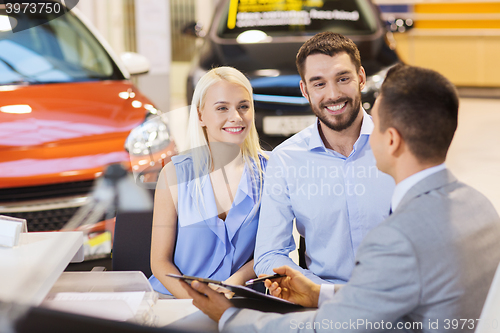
(294, 287)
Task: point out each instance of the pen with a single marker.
(262, 279)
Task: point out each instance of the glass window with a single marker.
(61, 50)
(297, 17)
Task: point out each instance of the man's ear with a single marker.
(362, 78)
(303, 89)
(396, 142)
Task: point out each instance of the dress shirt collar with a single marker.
(367, 125)
(405, 185)
(316, 142)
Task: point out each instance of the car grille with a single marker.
(9, 195)
(46, 207)
(46, 220)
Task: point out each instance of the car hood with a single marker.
(52, 132)
(280, 54)
(252, 57)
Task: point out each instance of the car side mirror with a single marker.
(135, 63)
(194, 29)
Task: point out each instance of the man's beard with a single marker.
(344, 120)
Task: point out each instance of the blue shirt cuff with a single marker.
(325, 293)
(225, 317)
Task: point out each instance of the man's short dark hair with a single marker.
(328, 43)
(422, 105)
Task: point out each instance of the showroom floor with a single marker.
(474, 156)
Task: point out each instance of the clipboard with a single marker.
(245, 297)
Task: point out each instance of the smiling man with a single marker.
(325, 176)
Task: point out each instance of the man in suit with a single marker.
(429, 265)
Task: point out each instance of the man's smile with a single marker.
(336, 108)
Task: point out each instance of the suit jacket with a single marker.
(426, 268)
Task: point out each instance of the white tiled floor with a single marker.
(474, 155)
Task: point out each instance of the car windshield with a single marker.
(62, 50)
(296, 17)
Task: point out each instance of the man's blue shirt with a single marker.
(335, 200)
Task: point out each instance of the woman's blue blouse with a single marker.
(206, 246)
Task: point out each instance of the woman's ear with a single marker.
(200, 117)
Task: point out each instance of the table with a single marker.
(28, 271)
(182, 314)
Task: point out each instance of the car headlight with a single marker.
(148, 138)
(374, 82)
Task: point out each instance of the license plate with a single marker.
(286, 125)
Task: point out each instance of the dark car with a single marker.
(261, 38)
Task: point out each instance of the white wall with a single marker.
(152, 29)
(204, 11)
(152, 21)
(107, 17)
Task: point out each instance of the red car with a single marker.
(66, 109)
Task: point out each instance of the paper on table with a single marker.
(113, 305)
(9, 232)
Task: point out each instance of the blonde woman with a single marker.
(207, 200)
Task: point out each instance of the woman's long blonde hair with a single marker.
(198, 141)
